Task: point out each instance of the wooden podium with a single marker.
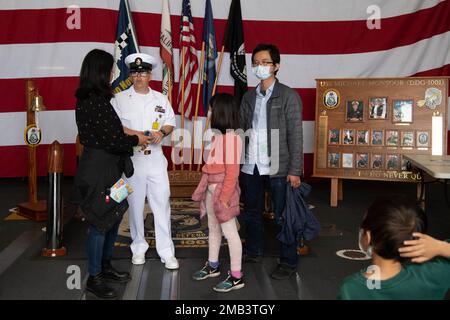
(33, 209)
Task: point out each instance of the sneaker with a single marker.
(230, 283)
(138, 258)
(283, 272)
(206, 272)
(171, 263)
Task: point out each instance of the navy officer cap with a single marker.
(140, 62)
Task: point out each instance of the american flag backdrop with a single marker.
(47, 40)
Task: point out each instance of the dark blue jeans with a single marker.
(100, 247)
(253, 187)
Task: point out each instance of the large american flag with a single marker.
(317, 39)
(190, 60)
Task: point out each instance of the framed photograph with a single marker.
(333, 136)
(392, 162)
(402, 111)
(362, 160)
(377, 138)
(407, 139)
(391, 138)
(347, 160)
(333, 160)
(348, 136)
(377, 161)
(362, 137)
(378, 108)
(422, 139)
(354, 111)
(406, 164)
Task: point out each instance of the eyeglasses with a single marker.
(262, 63)
(139, 73)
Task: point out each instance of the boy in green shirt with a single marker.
(386, 233)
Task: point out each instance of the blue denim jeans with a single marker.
(253, 187)
(100, 247)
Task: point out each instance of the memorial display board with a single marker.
(364, 127)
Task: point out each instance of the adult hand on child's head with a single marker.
(422, 249)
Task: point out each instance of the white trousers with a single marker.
(150, 179)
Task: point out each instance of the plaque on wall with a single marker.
(372, 123)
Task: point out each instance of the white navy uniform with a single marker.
(143, 112)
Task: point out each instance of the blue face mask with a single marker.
(262, 72)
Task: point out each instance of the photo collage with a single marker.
(392, 136)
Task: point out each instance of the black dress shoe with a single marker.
(97, 286)
(111, 274)
(283, 272)
(248, 258)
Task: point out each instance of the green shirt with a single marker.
(427, 281)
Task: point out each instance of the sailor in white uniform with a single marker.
(142, 109)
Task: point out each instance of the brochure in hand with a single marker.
(120, 191)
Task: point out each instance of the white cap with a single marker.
(140, 61)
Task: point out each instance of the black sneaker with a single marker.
(283, 272)
(206, 272)
(230, 283)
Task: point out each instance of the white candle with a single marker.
(436, 139)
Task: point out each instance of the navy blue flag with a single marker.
(125, 44)
(209, 64)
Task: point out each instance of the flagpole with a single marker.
(183, 68)
(169, 88)
(197, 102)
(219, 66)
(170, 101)
(130, 18)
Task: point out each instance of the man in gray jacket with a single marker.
(273, 154)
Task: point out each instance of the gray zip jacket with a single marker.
(284, 114)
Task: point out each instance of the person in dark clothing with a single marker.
(105, 158)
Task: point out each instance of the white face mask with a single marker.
(262, 72)
(368, 252)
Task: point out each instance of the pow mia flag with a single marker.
(234, 43)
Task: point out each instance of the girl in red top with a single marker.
(218, 192)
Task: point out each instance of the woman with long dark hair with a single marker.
(105, 158)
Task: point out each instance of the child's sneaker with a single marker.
(230, 283)
(206, 272)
